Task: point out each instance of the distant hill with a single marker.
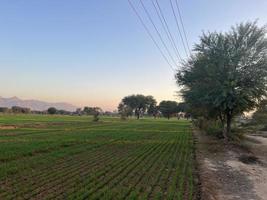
(34, 104)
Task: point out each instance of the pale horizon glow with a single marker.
(93, 53)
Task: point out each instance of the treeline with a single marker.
(53, 111)
(131, 106)
(140, 105)
(24, 110)
(15, 109)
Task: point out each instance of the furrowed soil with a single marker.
(71, 157)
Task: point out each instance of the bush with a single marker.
(237, 135)
(214, 128)
(4, 110)
(96, 116)
(123, 117)
(199, 122)
(210, 127)
(264, 128)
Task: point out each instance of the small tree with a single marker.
(78, 111)
(89, 110)
(168, 108)
(96, 113)
(139, 104)
(96, 116)
(152, 109)
(52, 110)
(124, 111)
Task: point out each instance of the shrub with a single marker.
(4, 110)
(96, 116)
(210, 127)
(264, 128)
(214, 128)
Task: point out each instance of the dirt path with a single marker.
(228, 172)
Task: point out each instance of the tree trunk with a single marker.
(227, 129)
(225, 135)
(224, 131)
(137, 113)
(228, 124)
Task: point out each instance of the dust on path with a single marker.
(224, 176)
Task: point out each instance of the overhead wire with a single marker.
(150, 34)
(166, 27)
(158, 33)
(183, 28)
(178, 27)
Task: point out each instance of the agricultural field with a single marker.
(71, 157)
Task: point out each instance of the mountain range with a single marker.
(35, 104)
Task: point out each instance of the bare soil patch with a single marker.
(229, 172)
(42, 125)
(7, 127)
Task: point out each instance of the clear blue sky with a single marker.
(94, 52)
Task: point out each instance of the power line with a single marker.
(181, 19)
(166, 27)
(158, 33)
(177, 23)
(150, 35)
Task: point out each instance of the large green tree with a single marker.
(139, 103)
(227, 75)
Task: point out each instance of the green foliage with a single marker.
(4, 110)
(264, 128)
(152, 109)
(91, 110)
(182, 107)
(228, 73)
(124, 111)
(96, 116)
(52, 111)
(94, 111)
(18, 109)
(138, 104)
(63, 112)
(210, 127)
(214, 128)
(168, 108)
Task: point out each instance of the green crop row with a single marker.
(63, 157)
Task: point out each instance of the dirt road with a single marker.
(228, 172)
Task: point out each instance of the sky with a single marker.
(95, 52)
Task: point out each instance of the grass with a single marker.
(71, 157)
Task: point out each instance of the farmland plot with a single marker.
(57, 157)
